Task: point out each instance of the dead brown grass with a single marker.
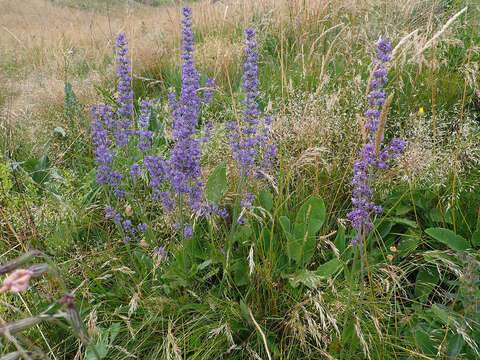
(42, 44)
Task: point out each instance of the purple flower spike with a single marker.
(182, 172)
(125, 93)
(362, 197)
(249, 138)
(144, 134)
(247, 201)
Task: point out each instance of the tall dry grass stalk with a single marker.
(381, 125)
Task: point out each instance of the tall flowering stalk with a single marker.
(177, 182)
(125, 93)
(118, 148)
(374, 155)
(248, 138)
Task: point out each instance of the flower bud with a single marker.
(17, 282)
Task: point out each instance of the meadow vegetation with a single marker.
(135, 223)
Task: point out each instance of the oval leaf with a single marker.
(449, 238)
(216, 185)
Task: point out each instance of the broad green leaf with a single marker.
(454, 346)
(40, 174)
(216, 186)
(403, 221)
(384, 229)
(442, 313)
(403, 209)
(449, 238)
(106, 338)
(204, 264)
(245, 313)
(240, 272)
(308, 278)
(285, 224)
(309, 220)
(329, 268)
(114, 331)
(439, 257)
(436, 215)
(340, 238)
(425, 344)
(102, 351)
(266, 200)
(408, 244)
(476, 238)
(302, 243)
(312, 213)
(425, 282)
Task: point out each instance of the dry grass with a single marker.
(43, 43)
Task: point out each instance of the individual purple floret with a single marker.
(211, 209)
(223, 213)
(363, 168)
(142, 227)
(135, 170)
(209, 91)
(161, 253)
(247, 201)
(188, 231)
(110, 212)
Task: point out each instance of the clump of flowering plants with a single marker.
(121, 141)
(128, 163)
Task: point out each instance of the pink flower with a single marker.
(17, 282)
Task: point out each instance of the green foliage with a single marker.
(301, 238)
(216, 186)
(418, 293)
(103, 342)
(449, 238)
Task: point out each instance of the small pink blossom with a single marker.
(17, 282)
